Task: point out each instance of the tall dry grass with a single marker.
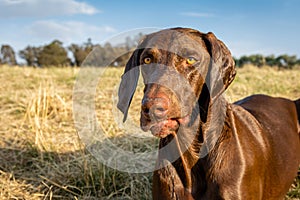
(41, 156)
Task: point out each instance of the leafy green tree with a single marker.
(53, 54)
(257, 60)
(271, 61)
(8, 55)
(81, 52)
(244, 60)
(30, 54)
(286, 61)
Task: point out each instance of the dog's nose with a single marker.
(155, 109)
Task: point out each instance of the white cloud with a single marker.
(68, 31)
(42, 8)
(197, 14)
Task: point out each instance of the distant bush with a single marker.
(53, 54)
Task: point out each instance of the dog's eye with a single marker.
(147, 60)
(191, 60)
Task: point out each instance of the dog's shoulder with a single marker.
(269, 110)
(264, 102)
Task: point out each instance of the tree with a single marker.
(123, 51)
(243, 61)
(272, 61)
(132, 42)
(81, 52)
(8, 55)
(89, 44)
(286, 61)
(102, 55)
(30, 54)
(53, 54)
(129, 43)
(257, 60)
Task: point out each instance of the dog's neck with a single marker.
(199, 152)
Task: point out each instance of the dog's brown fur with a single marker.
(255, 156)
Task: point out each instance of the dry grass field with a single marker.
(41, 156)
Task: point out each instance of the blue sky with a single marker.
(246, 27)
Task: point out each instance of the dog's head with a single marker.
(182, 69)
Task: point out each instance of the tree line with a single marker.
(55, 54)
(281, 61)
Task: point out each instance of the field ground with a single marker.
(41, 156)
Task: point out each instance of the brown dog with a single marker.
(210, 149)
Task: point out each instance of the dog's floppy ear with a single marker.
(128, 83)
(221, 71)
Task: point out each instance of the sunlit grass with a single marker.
(41, 156)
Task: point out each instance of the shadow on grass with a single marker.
(31, 174)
